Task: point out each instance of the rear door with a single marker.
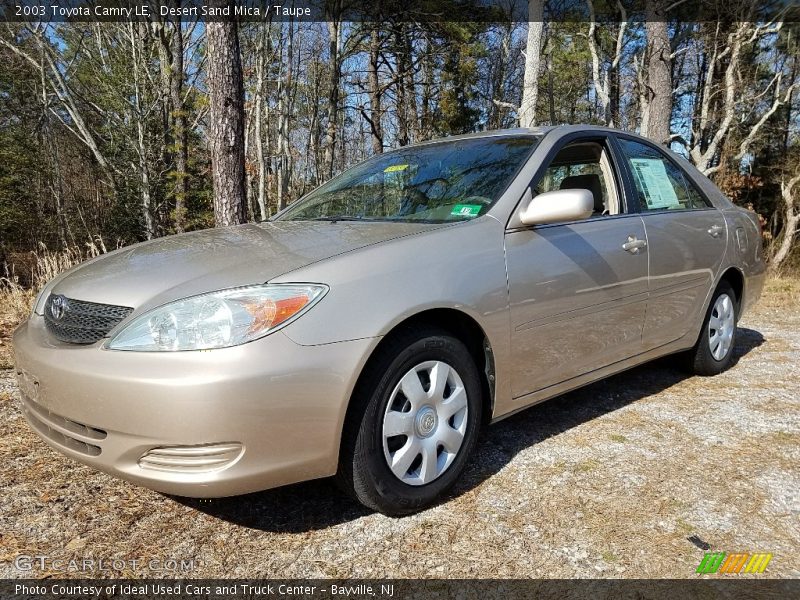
(577, 297)
(686, 239)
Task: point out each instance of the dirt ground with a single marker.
(608, 481)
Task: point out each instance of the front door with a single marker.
(577, 290)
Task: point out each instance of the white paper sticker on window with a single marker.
(654, 183)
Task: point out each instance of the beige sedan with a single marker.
(370, 330)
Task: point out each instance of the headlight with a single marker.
(219, 319)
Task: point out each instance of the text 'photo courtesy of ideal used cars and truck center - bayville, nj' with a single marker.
(445, 298)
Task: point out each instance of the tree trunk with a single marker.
(614, 94)
(530, 86)
(284, 108)
(48, 140)
(226, 125)
(605, 82)
(179, 127)
(658, 78)
(376, 129)
(258, 109)
(165, 66)
(600, 82)
(334, 27)
(792, 219)
(498, 79)
(402, 60)
(141, 143)
(411, 112)
(426, 117)
(551, 98)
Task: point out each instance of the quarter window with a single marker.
(660, 184)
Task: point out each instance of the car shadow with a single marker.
(319, 504)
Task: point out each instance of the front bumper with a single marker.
(255, 416)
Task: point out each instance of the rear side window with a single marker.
(660, 184)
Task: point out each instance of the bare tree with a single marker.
(179, 128)
(533, 49)
(334, 16)
(375, 92)
(498, 68)
(790, 189)
(606, 84)
(54, 72)
(721, 94)
(259, 110)
(226, 127)
(51, 144)
(136, 33)
(283, 167)
(657, 84)
(404, 86)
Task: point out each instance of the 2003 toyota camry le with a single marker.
(369, 330)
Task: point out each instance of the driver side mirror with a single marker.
(558, 206)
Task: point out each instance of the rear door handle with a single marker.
(715, 230)
(633, 245)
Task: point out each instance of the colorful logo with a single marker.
(743, 562)
(466, 210)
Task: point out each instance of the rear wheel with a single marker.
(414, 423)
(713, 352)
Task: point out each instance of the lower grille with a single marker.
(80, 322)
(62, 431)
(191, 459)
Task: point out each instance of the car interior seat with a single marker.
(589, 182)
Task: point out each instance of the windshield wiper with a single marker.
(338, 218)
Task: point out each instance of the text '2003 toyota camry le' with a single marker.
(371, 328)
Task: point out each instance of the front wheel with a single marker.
(713, 352)
(414, 423)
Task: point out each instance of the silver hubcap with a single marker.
(721, 326)
(425, 423)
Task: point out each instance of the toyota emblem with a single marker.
(58, 307)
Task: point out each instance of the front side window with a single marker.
(660, 184)
(583, 165)
(440, 182)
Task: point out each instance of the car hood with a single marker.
(152, 273)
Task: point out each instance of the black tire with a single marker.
(363, 469)
(700, 359)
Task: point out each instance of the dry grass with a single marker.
(15, 305)
(780, 291)
(16, 300)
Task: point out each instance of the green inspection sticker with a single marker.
(395, 168)
(466, 210)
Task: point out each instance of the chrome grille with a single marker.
(80, 322)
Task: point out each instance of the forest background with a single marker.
(117, 132)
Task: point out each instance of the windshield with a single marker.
(445, 181)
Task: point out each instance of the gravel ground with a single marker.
(608, 481)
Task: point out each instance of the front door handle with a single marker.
(715, 230)
(633, 245)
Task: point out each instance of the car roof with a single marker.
(537, 131)
(516, 132)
